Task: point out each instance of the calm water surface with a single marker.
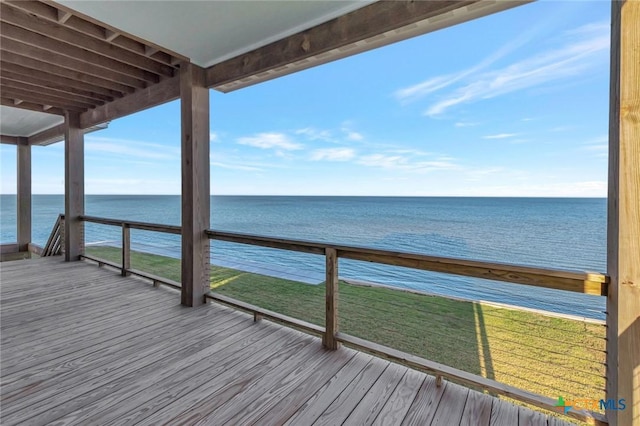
(556, 233)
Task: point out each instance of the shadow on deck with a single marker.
(83, 345)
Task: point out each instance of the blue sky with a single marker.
(513, 104)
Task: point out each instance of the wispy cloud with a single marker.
(466, 124)
(214, 137)
(131, 148)
(354, 136)
(582, 45)
(598, 147)
(278, 141)
(235, 167)
(434, 84)
(581, 53)
(500, 136)
(333, 154)
(406, 163)
(314, 134)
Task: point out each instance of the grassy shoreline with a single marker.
(549, 355)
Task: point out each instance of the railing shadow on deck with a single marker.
(346, 324)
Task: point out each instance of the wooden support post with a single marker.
(623, 228)
(194, 97)
(73, 186)
(257, 317)
(126, 249)
(24, 193)
(331, 283)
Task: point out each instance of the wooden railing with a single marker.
(581, 282)
(125, 264)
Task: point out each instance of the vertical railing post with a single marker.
(331, 299)
(623, 232)
(126, 249)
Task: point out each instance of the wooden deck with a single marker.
(83, 345)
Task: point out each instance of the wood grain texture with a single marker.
(331, 299)
(99, 348)
(424, 406)
(126, 250)
(503, 413)
(371, 26)
(157, 94)
(477, 410)
(398, 404)
(623, 233)
(373, 402)
(194, 107)
(23, 193)
(73, 187)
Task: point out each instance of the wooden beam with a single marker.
(23, 36)
(40, 79)
(73, 187)
(15, 83)
(91, 27)
(371, 26)
(70, 37)
(165, 91)
(23, 194)
(30, 106)
(63, 16)
(194, 106)
(54, 134)
(110, 35)
(61, 71)
(9, 140)
(50, 57)
(623, 231)
(34, 97)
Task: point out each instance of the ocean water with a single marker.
(545, 232)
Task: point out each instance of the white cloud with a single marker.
(314, 134)
(584, 49)
(278, 141)
(598, 147)
(354, 136)
(213, 137)
(500, 136)
(405, 163)
(131, 148)
(333, 154)
(465, 124)
(434, 84)
(235, 167)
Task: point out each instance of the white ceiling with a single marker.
(209, 32)
(22, 122)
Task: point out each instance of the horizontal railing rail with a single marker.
(167, 229)
(581, 282)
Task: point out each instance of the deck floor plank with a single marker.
(83, 345)
(397, 407)
(528, 417)
(503, 413)
(372, 403)
(477, 410)
(451, 406)
(353, 394)
(318, 402)
(425, 404)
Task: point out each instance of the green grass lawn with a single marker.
(543, 354)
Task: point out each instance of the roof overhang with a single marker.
(105, 60)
